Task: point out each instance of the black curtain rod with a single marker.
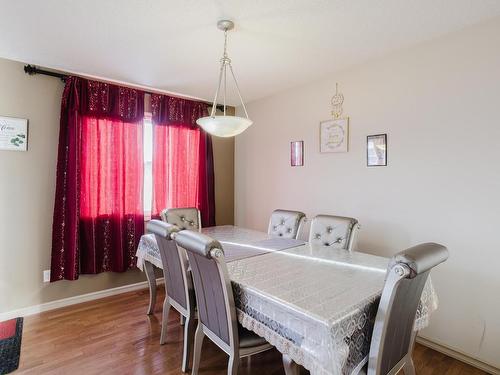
(32, 70)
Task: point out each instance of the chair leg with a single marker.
(189, 329)
(233, 364)
(413, 338)
(164, 321)
(409, 367)
(198, 343)
(291, 368)
(150, 275)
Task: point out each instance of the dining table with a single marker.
(315, 304)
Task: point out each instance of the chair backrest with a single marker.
(175, 264)
(406, 277)
(335, 231)
(184, 218)
(214, 294)
(286, 224)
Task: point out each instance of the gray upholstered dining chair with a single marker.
(286, 224)
(179, 292)
(335, 231)
(184, 218)
(393, 334)
(215, 301)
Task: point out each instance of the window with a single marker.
(148, 165)
(176, 168)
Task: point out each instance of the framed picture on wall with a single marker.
(13, 134)
(297, 153)
(376, 150)
(334, 135)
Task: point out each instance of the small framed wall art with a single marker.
(334, 135)
(376, 150)
(13, 134)
(297, 153)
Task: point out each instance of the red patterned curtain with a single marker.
(183, 169)
(98, 214)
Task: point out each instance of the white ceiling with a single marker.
(175, 45)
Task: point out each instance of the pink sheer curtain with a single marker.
(175, 167)
(183, 170)
(111, 210)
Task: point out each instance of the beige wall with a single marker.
(224, 178)
(439, 103)
(27, 185)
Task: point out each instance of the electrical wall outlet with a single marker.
(46, 276)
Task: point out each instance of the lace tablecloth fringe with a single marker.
(283, 345)
(154, 261)
(148, 251)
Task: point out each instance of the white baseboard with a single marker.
(458, 355)
(35, 309)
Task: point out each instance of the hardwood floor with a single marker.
(115, 336)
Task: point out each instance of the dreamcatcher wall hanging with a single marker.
(334, 133)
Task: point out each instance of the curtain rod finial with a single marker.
(30, 69)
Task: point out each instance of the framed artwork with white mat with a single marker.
(13, 134)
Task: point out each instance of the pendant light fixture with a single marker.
(225, 125)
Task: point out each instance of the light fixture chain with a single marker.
(225, 69)
(214, 105)
(238, 90)
(226, 125)
(225, 62)
(225, 86)
(225, 44)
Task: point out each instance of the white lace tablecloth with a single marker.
(238, 243)
(148, 251)
(316, 304)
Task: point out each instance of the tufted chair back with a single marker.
(335, 231)
(184, 218)
(286, 224)
(392, 339)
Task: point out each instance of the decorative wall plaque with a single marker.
(376, 150)
(13, 134)
(297, 153)
(334, 135)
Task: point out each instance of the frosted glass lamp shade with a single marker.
(224, 126)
